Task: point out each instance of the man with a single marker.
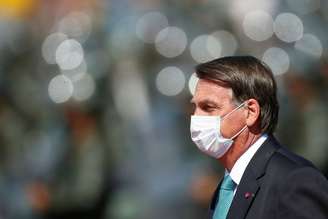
(236, 112)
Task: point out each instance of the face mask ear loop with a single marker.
(238, 107)
(238, 133)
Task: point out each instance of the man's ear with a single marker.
(253, 112)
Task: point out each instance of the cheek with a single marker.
(231, 126)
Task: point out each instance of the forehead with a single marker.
(209, 90)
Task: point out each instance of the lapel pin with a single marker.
(249, 195)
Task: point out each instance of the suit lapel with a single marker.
(249, 184)
(245, 194)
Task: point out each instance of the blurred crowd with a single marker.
(94, 99)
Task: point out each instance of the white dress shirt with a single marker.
(239, 167)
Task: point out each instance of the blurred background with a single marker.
(94, 99)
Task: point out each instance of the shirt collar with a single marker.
(239, 167)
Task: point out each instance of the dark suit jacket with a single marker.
(278, 184)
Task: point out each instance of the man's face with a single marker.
(210, 99)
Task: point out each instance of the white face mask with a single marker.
(206, 134)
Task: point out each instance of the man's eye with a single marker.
(208, 108)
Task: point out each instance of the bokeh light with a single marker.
(171, 42)
(84, 88)
(303, 6)
(288, 27)
(149, 25)
(17, 8)
(77, 73)
(76, 25)
(50, 45)
(205, 48)
(277, 59)
(258, 25)
(69, 54)
(193, 80)
(170, 81)
(239, 8)
(310, 44)
(60, 89)
(228, 42)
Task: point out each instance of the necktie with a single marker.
(225, 198)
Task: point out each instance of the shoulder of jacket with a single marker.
(286, 161)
